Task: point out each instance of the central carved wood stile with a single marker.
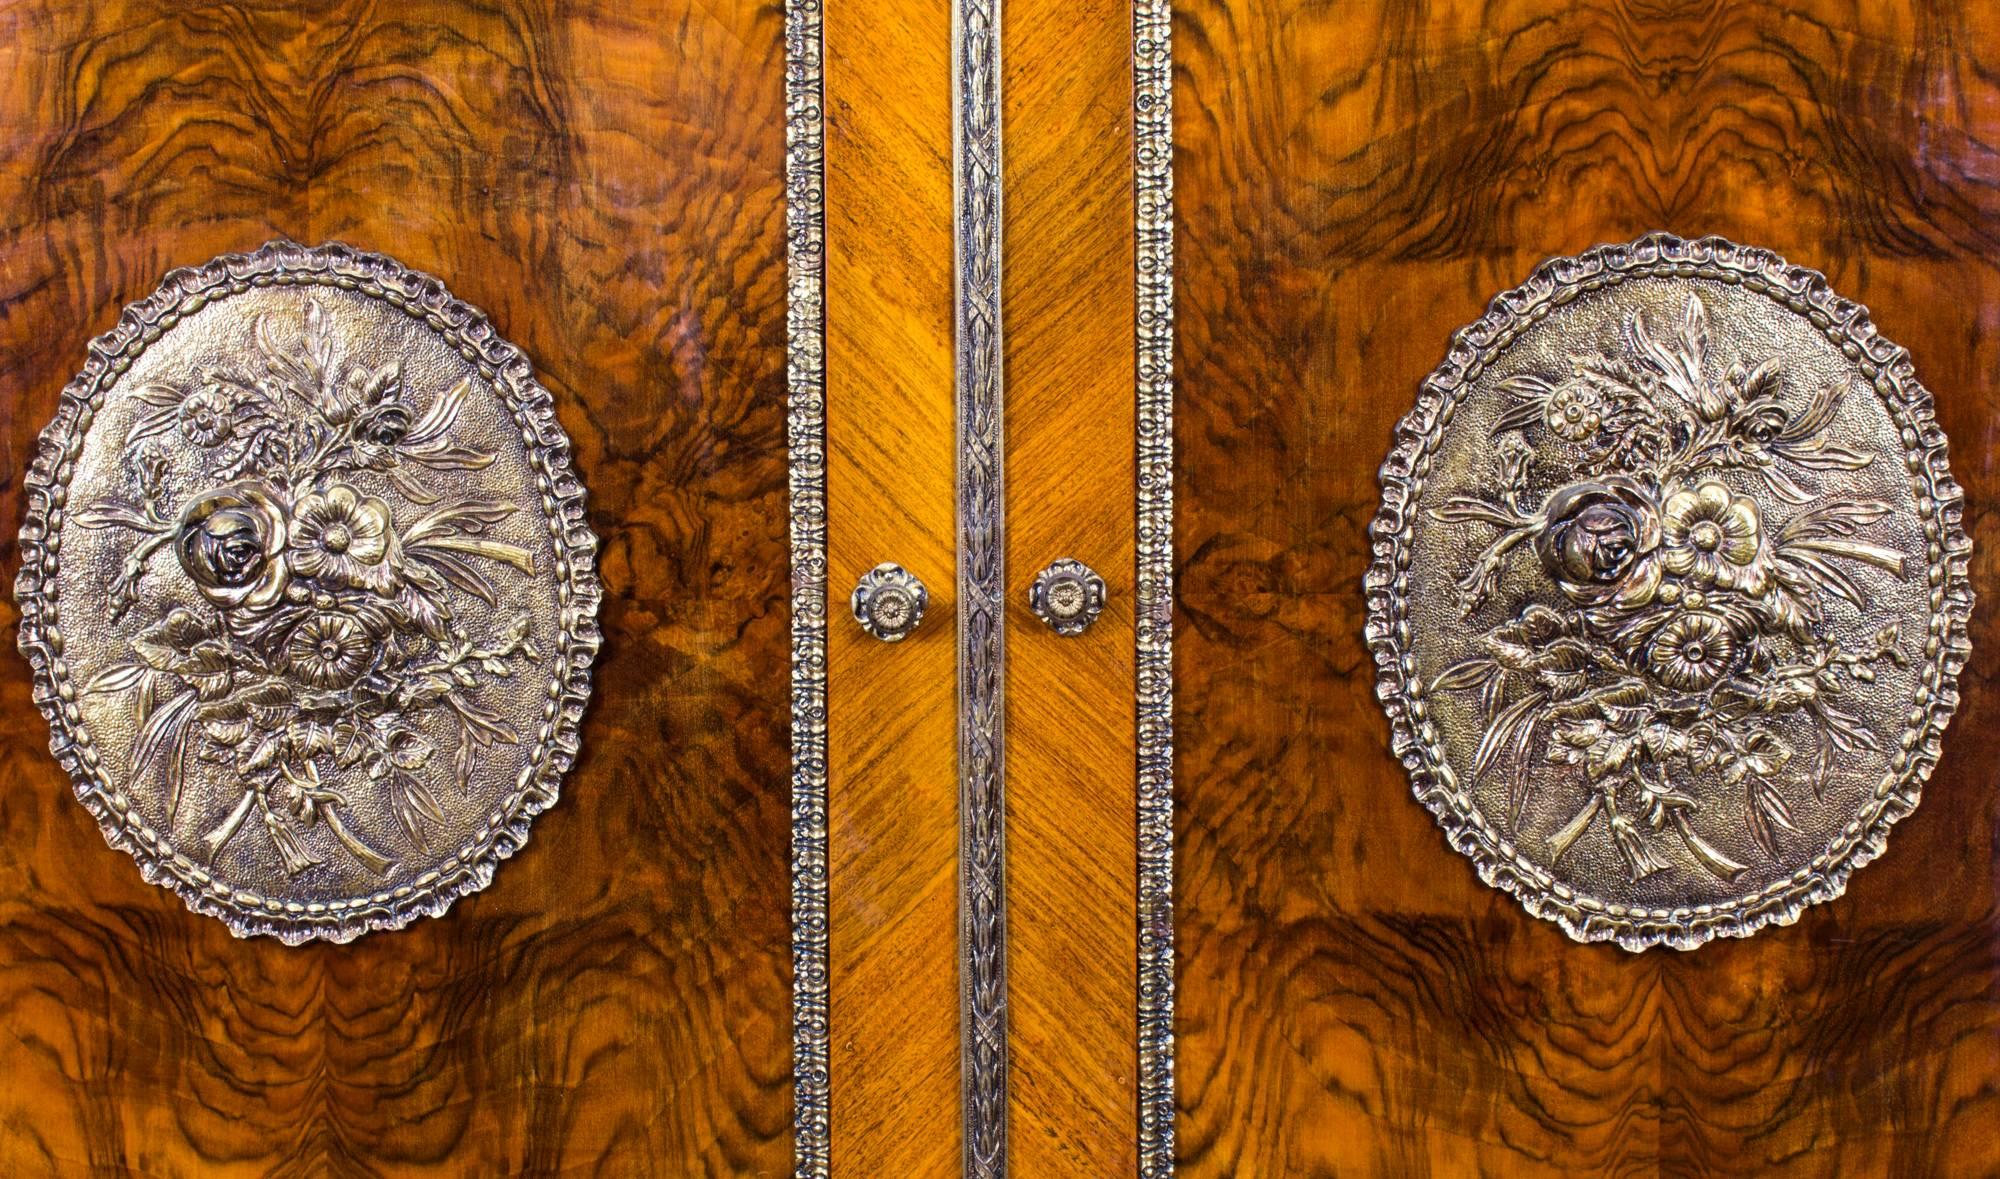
(982, 861)
(981, 581)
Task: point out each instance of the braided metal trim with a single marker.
(982, 653)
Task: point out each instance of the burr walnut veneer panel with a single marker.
(605, 180)
(1354, 181)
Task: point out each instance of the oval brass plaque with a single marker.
(1670, 593)
(308, 592)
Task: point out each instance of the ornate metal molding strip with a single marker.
(805, 256)
(1153, 133)
(981, 587)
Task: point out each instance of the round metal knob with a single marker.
(889, 602)
(1068, 595)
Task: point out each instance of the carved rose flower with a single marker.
(207, 417)
(342, 536)
(1714, 537)
(385, 424)
(330, 649)
(232, 543)
(1575, 411)
(1598, 539)
(1692, 651)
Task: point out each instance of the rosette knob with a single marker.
(1068, 595)
(889, 602)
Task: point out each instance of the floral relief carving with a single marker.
(1689, 574)
(325, 553)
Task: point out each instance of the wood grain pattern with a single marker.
(892, 714)
(1072, 905)
(605, 180)
(1354, 181)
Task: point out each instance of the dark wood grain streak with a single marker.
(1353, 182)
(604, 179)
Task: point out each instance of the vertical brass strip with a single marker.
(981, 586)
(1153, 208)
(805, 324)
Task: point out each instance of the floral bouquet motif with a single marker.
(1686, 622)
(323, 629)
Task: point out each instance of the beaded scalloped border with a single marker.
(805, 377)
(1153, 214)
(1415, 743)
(468, 331)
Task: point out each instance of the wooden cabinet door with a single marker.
(607, 182)
(1354, 183)
(1131, 293)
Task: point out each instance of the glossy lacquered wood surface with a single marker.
(1072, 906)
(1354, 181)
(605, 180)
(892, 713)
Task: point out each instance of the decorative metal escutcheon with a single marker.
(308, 593)
(1671, 591)
(889, 602)
(1068, 595)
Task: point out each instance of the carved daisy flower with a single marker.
(208, 417)
(342, 536)
(1575, 411)
(330, 650)
(1714, 537)
(1692, 651)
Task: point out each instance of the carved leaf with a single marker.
(1845, 731)
(160, 730)
(1467, 673)
(1824, 575)
(1532, 394)
(469, 516)
(152, 425)
(1820, 455)
(1873, 554)
(1819, 414)
(159, 396)
(496, 550)
(1833, 518)
(462, 763)
(1783, 486)
(455, 571)
(112, 514)
(1501, 731)
(416, 809)
(293, 379)
(452, 458)
(1772, 804)
(116, 678)
(1461, 508)
(439, 419)
(413, 488)
(318, 339)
